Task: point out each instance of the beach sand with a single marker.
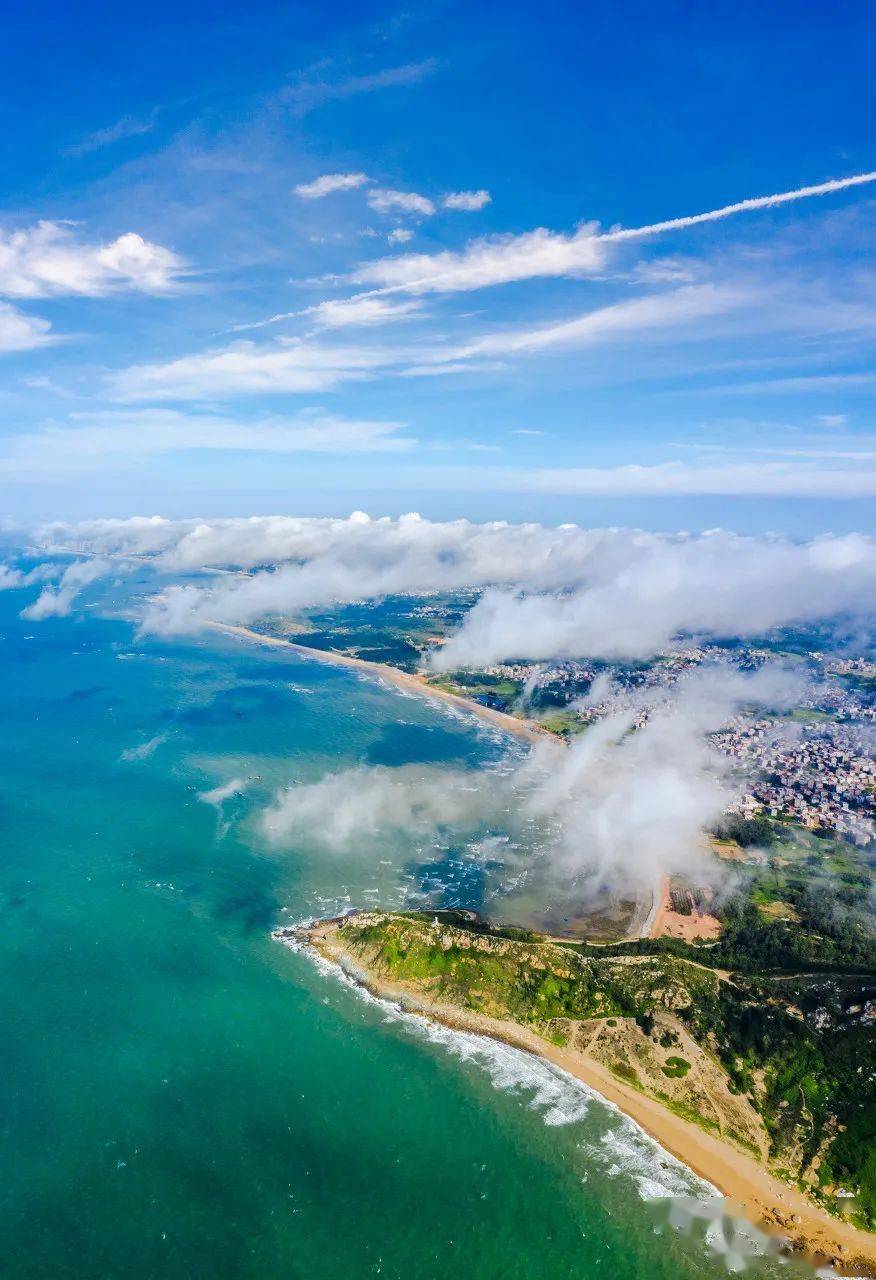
(769, 1203)
(528, 729)
(751, 1191)
(641, 922)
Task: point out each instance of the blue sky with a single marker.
(463, 329)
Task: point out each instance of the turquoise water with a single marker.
(182, 1097)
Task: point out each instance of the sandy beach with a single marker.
(528, 729)
(769, 1203)
(751, 1191)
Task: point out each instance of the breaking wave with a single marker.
(624, 1150)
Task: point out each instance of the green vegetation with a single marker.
(810, 715)
(507, 978)
(798, 1046)
(805, 907)
(857, 680)
(492, 691)
(747, 832)
(396, 630)
(782, 1000)
(565, 724)
(626, 1073)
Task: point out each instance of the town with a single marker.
(814, 768)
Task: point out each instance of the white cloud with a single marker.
(467, 201)
(742, 206)
(126, 127)
(361, 805)
(111, 440)
(286, 366)
(302, 365)
(815, 382)
(754, 479)
(833, 420)
(339, 313)
(616, 810)
(12, 578)
(490, 261)
(448, 366)
(57, 602)
(20, 332)
(632, 806)
(47, 260)
(652, 312)
(268, 320)
(384, 200)
(664, 271)
(217, 796)
(400, 235)
(648, 589)
(499, 260)
(345, 312)
(609, 593)
(310, 92)
(330, 182)
(143, 750)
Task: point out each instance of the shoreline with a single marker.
(531, 730)
(773, 1206)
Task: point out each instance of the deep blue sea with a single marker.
(182, 1097)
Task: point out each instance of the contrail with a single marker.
(572, 250)
(742, 206)
(571, 243)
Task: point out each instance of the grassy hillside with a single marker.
(783, 1066)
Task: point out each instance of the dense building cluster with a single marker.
(821, 778)
(816, 769)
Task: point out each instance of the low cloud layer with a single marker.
(549, 592)
(718, 585)
(615, 811)
(628, 801)
(143, 750)
(632, 805)
(216, 796)
(57, 601)
(359, 806)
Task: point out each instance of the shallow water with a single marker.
(183, 1097)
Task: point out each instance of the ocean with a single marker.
(184, 1098)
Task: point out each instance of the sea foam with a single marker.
(623, 1150)
(559, 1097)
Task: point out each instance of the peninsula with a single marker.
(630, 1026)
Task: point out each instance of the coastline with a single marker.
(751, 1191)
(531, 730)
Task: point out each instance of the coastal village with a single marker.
(815, 768)
(753, 990)
(824, 782)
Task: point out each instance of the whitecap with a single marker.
(560, 1098)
